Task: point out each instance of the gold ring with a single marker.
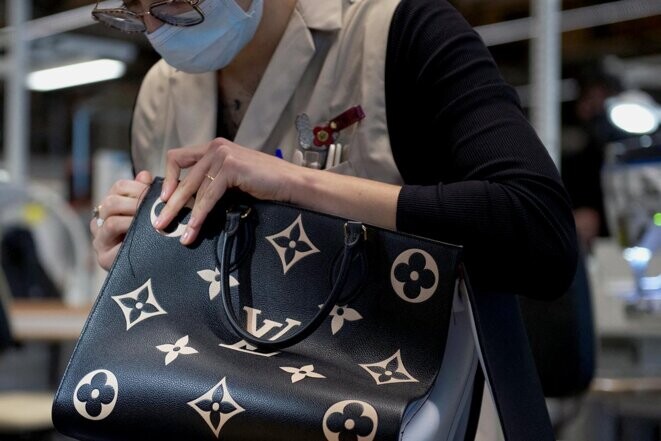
(96, 211)
(211, 177)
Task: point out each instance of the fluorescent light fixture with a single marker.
(634, 112)
(76, 74)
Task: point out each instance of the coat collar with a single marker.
(282, 76)
(324, 15)
(288, 65)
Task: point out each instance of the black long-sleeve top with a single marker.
(475, 171)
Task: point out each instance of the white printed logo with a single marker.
(216, 407)
(292, 244)
(340, 314)
(96, 395)
(180, 347)
(139, 305)
(266, 328)
(389, 371)
(414, 276)
(213, 277)
(297, 374)
(355, 420)
(178, 226)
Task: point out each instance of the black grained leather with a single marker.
(120, 377)
(352, 240)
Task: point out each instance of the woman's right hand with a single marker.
(117, 210)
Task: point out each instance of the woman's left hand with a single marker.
(214, 168)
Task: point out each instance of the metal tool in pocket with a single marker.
(318, 147)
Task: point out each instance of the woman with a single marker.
(444, 151)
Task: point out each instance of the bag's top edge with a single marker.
(241, 196)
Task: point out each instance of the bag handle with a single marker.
(354, 235)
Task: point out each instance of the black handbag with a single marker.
(280, 323)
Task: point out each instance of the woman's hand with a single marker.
(117, 211)
(216, 167)
(221, 164)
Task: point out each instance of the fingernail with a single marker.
(185, 237)
(157, 223)
(163, 194)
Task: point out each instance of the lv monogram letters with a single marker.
(265, 329)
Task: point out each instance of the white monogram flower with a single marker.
(292, 244)
(173, 351)
(216, 407)
(300, 373)
(389, 371)
(341, 313)
(139, 304)
(213, 277)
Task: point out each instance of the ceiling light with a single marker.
(634, 112)
(76, 74)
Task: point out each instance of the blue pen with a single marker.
(278, 154)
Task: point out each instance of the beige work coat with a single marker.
(331, 57)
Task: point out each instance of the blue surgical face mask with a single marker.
(212, 44)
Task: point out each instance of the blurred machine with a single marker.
(632, 190)
(45, 245)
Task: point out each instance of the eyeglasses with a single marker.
(173, 12)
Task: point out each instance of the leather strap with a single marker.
(353, 238)
(508, 366)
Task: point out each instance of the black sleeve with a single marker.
(476, 174)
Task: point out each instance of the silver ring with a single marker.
(96, 211)
(211, 177)
(99, 222)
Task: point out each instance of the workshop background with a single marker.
(588, 74)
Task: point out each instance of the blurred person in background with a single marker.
(581, 167)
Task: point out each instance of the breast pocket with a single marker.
(344, 168)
